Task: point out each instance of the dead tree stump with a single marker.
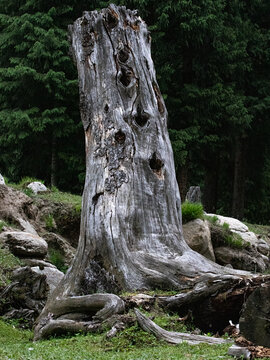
(131, 231)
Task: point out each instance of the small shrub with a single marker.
(212, 219)
(54, 189)
(8, 262)
(26, 181)
(226, 226)
(57, 259)
(191, 211)
(2, 224)
(49, 222)
(28, 192)
(235, 241)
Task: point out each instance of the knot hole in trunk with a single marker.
(123, 55)
(158, 97)
(156, 164)
(142, 117)
(96, 197)
(120, 137)
(126, 76)
(111, 19)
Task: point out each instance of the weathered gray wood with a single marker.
(239, 352)
(131, 231)
(131, 215)
(175, 337)
(69, 311)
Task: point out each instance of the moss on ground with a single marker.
(132, 343)
(8, 262)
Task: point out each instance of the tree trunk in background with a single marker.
(239, 180)
(211, 186)
(53, 161)
(131, 231)
(182, 180)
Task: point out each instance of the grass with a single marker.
(2, 224)
(57, 259)
(259, 229)
(63, 197)
(132, 343)
(53, 195)
(191, 211)
(8, 262)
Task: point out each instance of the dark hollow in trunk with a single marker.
(131, 231)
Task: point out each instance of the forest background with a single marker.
(212, 59)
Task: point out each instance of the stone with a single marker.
(27, 293)
(53, 276)
(26, 226)
(240, 259)
(37, 187)
(16, 206)
(263, 247)
(36, 262)
(255, 317)
(2, 180)
(238, 227)
(25, 244)
(194, 194)
(197, 235)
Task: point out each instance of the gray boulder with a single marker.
(255, 317)
(26, 296)
(194, 194)
(198, 237)
(236, 226)
(240, 259)
(25, 244)
(53, 276)
(2, 180)
(37, 187)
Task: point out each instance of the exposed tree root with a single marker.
(78, 313)
(174, 337)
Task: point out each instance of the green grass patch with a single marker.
(22, 185)
(49, 222)
(2, 224)
(132, 343)
(212, 219)
(58, 259)
(191, 211)
(235, 241)
(63, 197)
(263, 230)
(8, 262)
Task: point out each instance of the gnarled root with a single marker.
(77, 313)
(174, 337)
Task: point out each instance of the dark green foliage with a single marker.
(213, 66)
(58, 259)
(191, 211)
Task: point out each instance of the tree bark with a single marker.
(131, 231)
(53, 161)
(211, 185)
(239, 180)
(182, 179)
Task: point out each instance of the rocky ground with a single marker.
(41, 233)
